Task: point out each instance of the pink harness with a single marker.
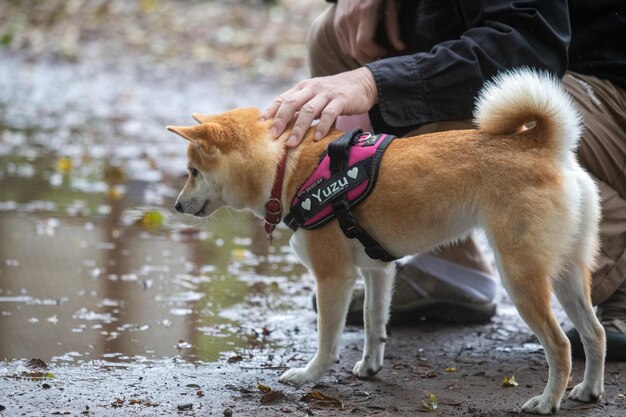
(344, 177)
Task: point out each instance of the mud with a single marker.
(135, 310)
(462, 366)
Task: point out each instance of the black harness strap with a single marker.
(338, 152)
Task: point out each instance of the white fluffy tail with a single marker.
(522, 96)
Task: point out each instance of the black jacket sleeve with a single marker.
(460, 44)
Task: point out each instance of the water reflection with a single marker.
(89, 269)
(93, 261)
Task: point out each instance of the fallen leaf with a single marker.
(36, 363)
(115, 192)
(38, 375)
(430, 403)
(272, 396)
(509, 382)
(152, 219)
(64, 165)
(269, 395)
(114, 175)
(322, 400)
(451, 369)
(235, 358)
(143, 402)
(263, 388)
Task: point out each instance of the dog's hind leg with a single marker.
(330, 261)
(378, 289)
(572, 291)
(527, 281)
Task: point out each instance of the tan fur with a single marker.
(431, 189)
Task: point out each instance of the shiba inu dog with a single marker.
(516, 176)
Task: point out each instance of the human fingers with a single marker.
(309, 112)
(287, 109)
(345, 24)
(392, 26)
(329, 115)
(366, 50)
(270, 112)
(355, 24)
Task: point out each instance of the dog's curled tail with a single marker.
(518, 97)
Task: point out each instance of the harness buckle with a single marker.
(349, 227)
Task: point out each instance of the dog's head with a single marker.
(221, 161)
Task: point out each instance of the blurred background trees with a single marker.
(259, 37)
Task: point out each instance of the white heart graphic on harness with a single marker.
(306, 204)
(353, 172)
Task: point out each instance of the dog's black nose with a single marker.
(179, 207)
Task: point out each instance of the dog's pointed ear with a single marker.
(201, 118)
(208, 136)
(191, 133)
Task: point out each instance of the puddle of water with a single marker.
(94, 264)
(88, 275)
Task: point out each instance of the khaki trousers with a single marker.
(602, 152)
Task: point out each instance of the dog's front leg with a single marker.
(378, 289)
(333, 297)
(335, 276)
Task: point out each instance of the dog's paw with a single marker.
(366, 369)
(541, 404)
(586, 393)
(299, 376)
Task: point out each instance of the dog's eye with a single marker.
(193, 172)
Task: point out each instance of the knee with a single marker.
(317, 43)
(314, 40)
(324, 53)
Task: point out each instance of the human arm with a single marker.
(459, 45)
(441, 81)
(358, 26)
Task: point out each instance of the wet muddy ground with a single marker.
(133, 309)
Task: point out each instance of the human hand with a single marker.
(326, 98)
(356, 23)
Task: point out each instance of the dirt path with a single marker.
(463, 367)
